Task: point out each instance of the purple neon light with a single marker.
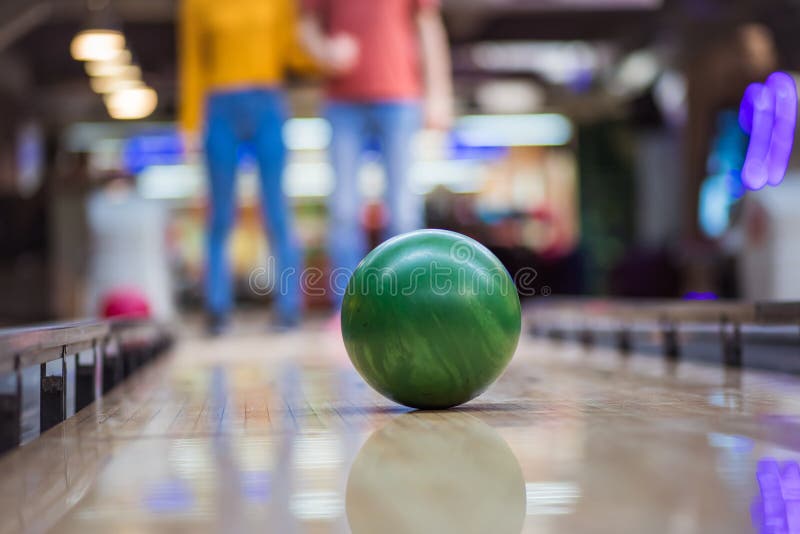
(769, 115)
(700, 295)
(777, 509)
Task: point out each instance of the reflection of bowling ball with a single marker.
(430, 319)
(426, 473)
(128, 303)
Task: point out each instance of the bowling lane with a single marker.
(278, 434)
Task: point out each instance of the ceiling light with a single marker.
(109, 67)
(103, 69)
(106, 85)
(133, 103)
(97, 44)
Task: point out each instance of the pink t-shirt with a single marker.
(389, 63)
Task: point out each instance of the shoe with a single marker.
(217, 324)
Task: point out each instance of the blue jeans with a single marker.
(256, 117)
(392, 125)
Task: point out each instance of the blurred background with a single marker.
(595, 140)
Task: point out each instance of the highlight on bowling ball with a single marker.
(768, 114)
(125, 303)
(431, 319)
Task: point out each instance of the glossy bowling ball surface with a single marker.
(431, 319)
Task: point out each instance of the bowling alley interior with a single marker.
(399, 266)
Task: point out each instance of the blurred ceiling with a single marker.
(35, 34)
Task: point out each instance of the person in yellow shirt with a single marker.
(233, 57)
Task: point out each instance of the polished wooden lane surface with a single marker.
(277, 434)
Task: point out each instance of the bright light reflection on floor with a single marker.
(316, 505)
(551, 498)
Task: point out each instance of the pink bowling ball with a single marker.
(129, 303)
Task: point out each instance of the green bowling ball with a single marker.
(431, 319)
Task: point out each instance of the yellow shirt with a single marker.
(233, 43)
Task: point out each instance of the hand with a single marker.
(438, 112)
(342, 53)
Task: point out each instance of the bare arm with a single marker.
(437, 68)
(337, 54)
(312, 36)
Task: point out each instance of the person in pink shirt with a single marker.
(388, 66)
